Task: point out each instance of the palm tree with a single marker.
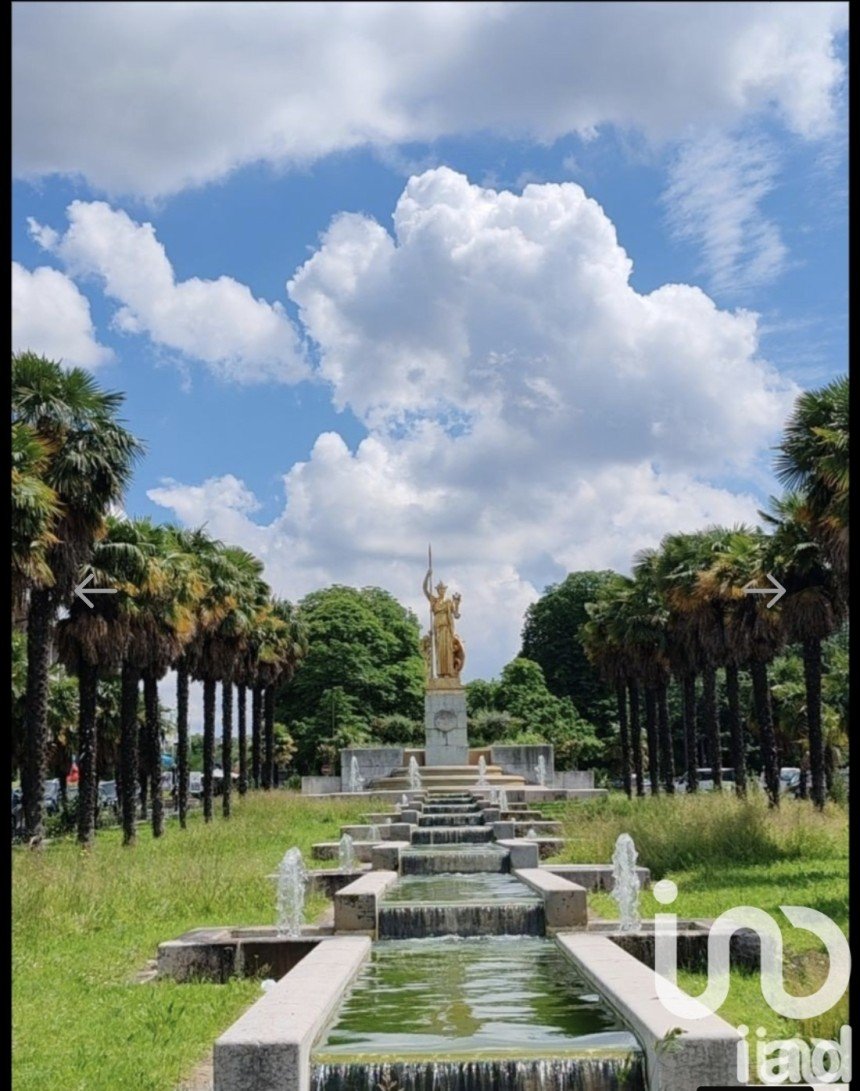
(645, 621)
(606, 652)
(36, 510)
(813, 461)
(93, 642)
(234, 595)
(697, 633)
(281, 649)
(811, 609)
(753, 632)
(196, 546)
(89, 460)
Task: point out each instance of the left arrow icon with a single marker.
(79, 590)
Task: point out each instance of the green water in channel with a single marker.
(489, 997)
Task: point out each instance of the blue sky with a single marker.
(465, 355)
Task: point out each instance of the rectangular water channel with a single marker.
(486, 1014)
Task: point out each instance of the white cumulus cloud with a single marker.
(216, 321)
(50, 316)
(527, 410)
(149, 99)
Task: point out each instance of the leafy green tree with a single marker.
(396, 730)
(491, 726)
(481, 696)
(365, 646)
(524, 695)
(551, 638)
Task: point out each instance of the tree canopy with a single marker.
(363, 664)
(550, 637)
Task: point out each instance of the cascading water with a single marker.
(626, 886)
(292, 879)
(356, 780)
(493, 919)
(540, 771)
(404, 800)
(346, 852)
(503, 799)
(563, 1074)
(482, 772)
(532, 834)
(414, 775)
(494, 796)
(373, 834)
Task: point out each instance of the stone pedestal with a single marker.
(445, 738)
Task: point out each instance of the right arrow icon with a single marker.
(777, 590)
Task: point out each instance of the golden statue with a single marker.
(443, 650)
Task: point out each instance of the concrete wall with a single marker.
(318, 786)
(703, 1051)
(268, 1048)
(522, 761)
(574, 778)
(374, 762)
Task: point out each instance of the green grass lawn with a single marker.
(722, 853)
(84, 924)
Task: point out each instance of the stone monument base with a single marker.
(445, 738)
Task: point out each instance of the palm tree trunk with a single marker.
(624, 732)
(767, 739)
(269, 750)
(143, 766)
(651, 735)
(88, 682)
(690, 733)
(812, 677)
(153, 757)
(242, 740)
(226, 745)
(208, 746)
(182, 743)
(664, 732)
(40, 618)
(636, 737)
(712, 724)
(256, 733)
(128, 751)
(736, 728)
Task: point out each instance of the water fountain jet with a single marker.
(414, 775)
(625, 890)
(346, 853)
(356, 780)
(292, 879)
(482, 772)
(540, 770)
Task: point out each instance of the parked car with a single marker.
(705, 780)
(789, 779)
(108, 800)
